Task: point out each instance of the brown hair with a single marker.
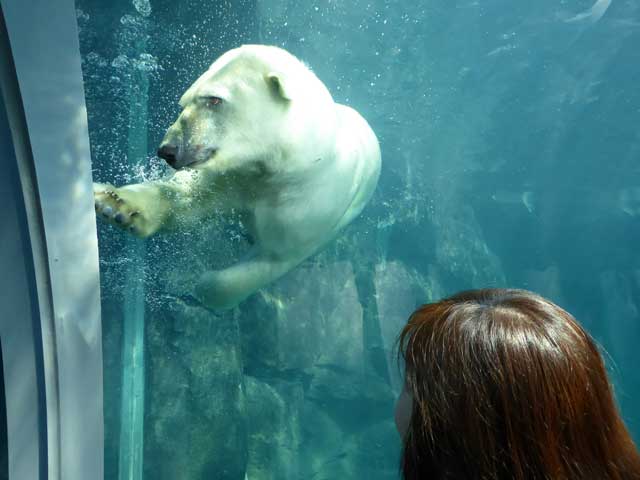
(507, 385)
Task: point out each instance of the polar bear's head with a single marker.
(247, 109)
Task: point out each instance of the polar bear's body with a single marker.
(259, 134)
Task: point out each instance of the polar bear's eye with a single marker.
(214, 100)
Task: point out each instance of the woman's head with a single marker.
(506, 384)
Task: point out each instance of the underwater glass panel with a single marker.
(510, 146)
(4, 446)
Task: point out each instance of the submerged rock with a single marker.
(196, 424)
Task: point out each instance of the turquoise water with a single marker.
(510, 146)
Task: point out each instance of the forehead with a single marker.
(216, 81)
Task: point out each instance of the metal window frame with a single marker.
(60, 341)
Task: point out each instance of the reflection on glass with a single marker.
(509, 147)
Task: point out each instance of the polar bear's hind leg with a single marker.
(223, 289)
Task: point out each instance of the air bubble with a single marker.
(129, 20)
(147, 63)
(143, 7)
(121, 61)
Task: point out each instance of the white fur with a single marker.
(278, 148)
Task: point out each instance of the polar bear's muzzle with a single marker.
(176, 158)
(169, 153)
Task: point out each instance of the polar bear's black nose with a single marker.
(168, 152)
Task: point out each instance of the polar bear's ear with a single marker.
(278, 86)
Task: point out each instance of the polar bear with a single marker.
(259, 134)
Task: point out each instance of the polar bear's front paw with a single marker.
(115, 208)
